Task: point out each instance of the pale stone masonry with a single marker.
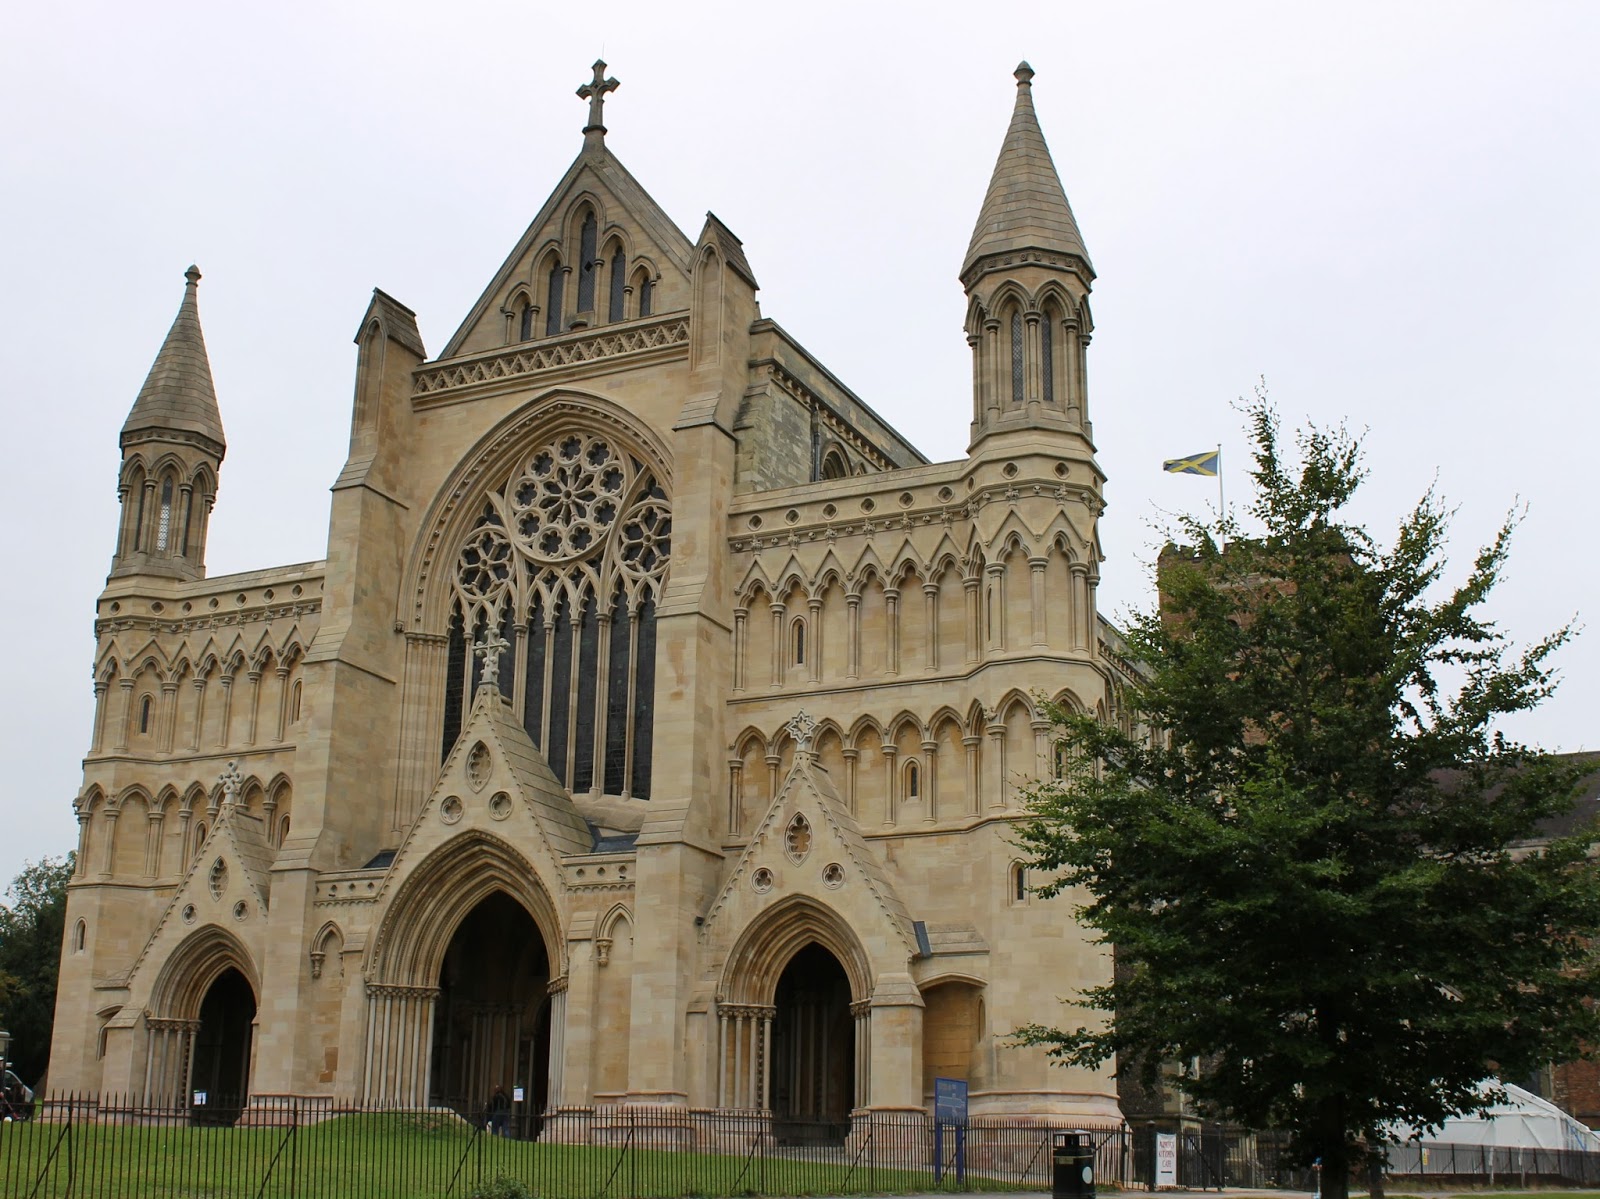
(324, 852)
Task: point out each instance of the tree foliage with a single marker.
(1307, 870)
(32, 923)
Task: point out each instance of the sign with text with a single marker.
(516, 1094)
(950, 1101)
(1166, 1159)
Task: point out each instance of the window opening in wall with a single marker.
(913, 780)
(618, 284)
(525, 327)
(188, 520)
(1016, 356)
(138, 519)
(164, 520)
(283, 831)
(80, 933)
(647, 291)
(799, 642)
(552, 307)
(586, 263)
(1047, 357)
(833, 465)
(294, 702)
(1019, 883)
(988, 612)
(145, 706)
(199, 839)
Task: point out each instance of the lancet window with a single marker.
(587, 263)
(566, 562)
(1016, 356)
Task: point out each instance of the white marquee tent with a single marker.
(1520, 1121)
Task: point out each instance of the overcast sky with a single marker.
(1386, 209)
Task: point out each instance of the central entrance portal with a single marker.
(492, 1024)
(220, 1076)
(813, 1051)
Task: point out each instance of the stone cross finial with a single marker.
(231, 778)
(595, 92)
(489, 650)
(802, 727)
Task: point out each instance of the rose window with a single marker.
(566, 498)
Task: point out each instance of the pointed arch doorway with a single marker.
(219, 1076)
(813, 1050)
(492, 1021)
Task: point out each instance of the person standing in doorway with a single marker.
(499, 1110)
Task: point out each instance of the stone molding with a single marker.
(539, 358)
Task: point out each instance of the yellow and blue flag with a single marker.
(1196, 464)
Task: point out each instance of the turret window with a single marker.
(646, 295)
(800, 641)
(146, 706)
(1016, 356)
(138, 519)
(1047, 357)
(525, 328)
(913, 780)
(164, 519)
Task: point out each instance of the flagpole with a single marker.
(1221, 501)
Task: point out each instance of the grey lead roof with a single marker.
(178, 393)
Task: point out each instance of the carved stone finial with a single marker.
(595, 92)
(231, 778)
(489, 651)
(1024, 74)
(802, 727)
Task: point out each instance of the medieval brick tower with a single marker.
(650, 733)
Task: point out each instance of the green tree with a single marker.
(32, 922)
(1307, 871)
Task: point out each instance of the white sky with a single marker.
(1387, 209)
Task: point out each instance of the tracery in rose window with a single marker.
(567, 559)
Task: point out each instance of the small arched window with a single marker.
(524, 319)
(913, 780)
(138, 514)
(799, 641)
(647, 289)
(199, 838)
(187, 546)
(1016, 356)
(80, 935)
(1047, 356)
(283, 830)
(552, 311)
(1019, 883)
(833, 466)
(146, 707)
(619, 281)
(294, 703)
(164, 518)
(587, 262)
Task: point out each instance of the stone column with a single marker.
(972, 742)
(1081, 615)
(930, 781)
(108, 841)
(154, 819)
(814, 650)
(852, 670)
(891, 649)
(741, 647)
(997, 605)
(169, 715)
(97, 736)
(852, 757)
(126, 719)
(227, 710)
(896, 1043)
(1032, 387)
(997, 772)
(735, 796)
(254, 712)
(1041, 631)
(199, 712)
(421, 723)
(889, 789)
(779, 644)
(971, 586)
(930, 611)
(282, 673)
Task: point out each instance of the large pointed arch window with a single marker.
(567, 562)
(588, 234)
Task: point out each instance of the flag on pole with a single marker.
(1196, 464)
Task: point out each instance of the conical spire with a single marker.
(1026, 206)
(178, 395)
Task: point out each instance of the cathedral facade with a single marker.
(651, 733)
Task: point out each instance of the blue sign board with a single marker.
(950, 1101)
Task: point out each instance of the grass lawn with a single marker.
(405, 1156)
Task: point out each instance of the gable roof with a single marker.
(597, 162)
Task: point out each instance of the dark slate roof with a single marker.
(178, 394)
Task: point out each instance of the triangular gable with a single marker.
(593, 170)
(536, 816)
(861, 892)
(237, 839)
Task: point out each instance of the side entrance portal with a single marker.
(492, 1023)
(813, 1050)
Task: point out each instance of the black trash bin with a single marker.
(1072, 1166)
